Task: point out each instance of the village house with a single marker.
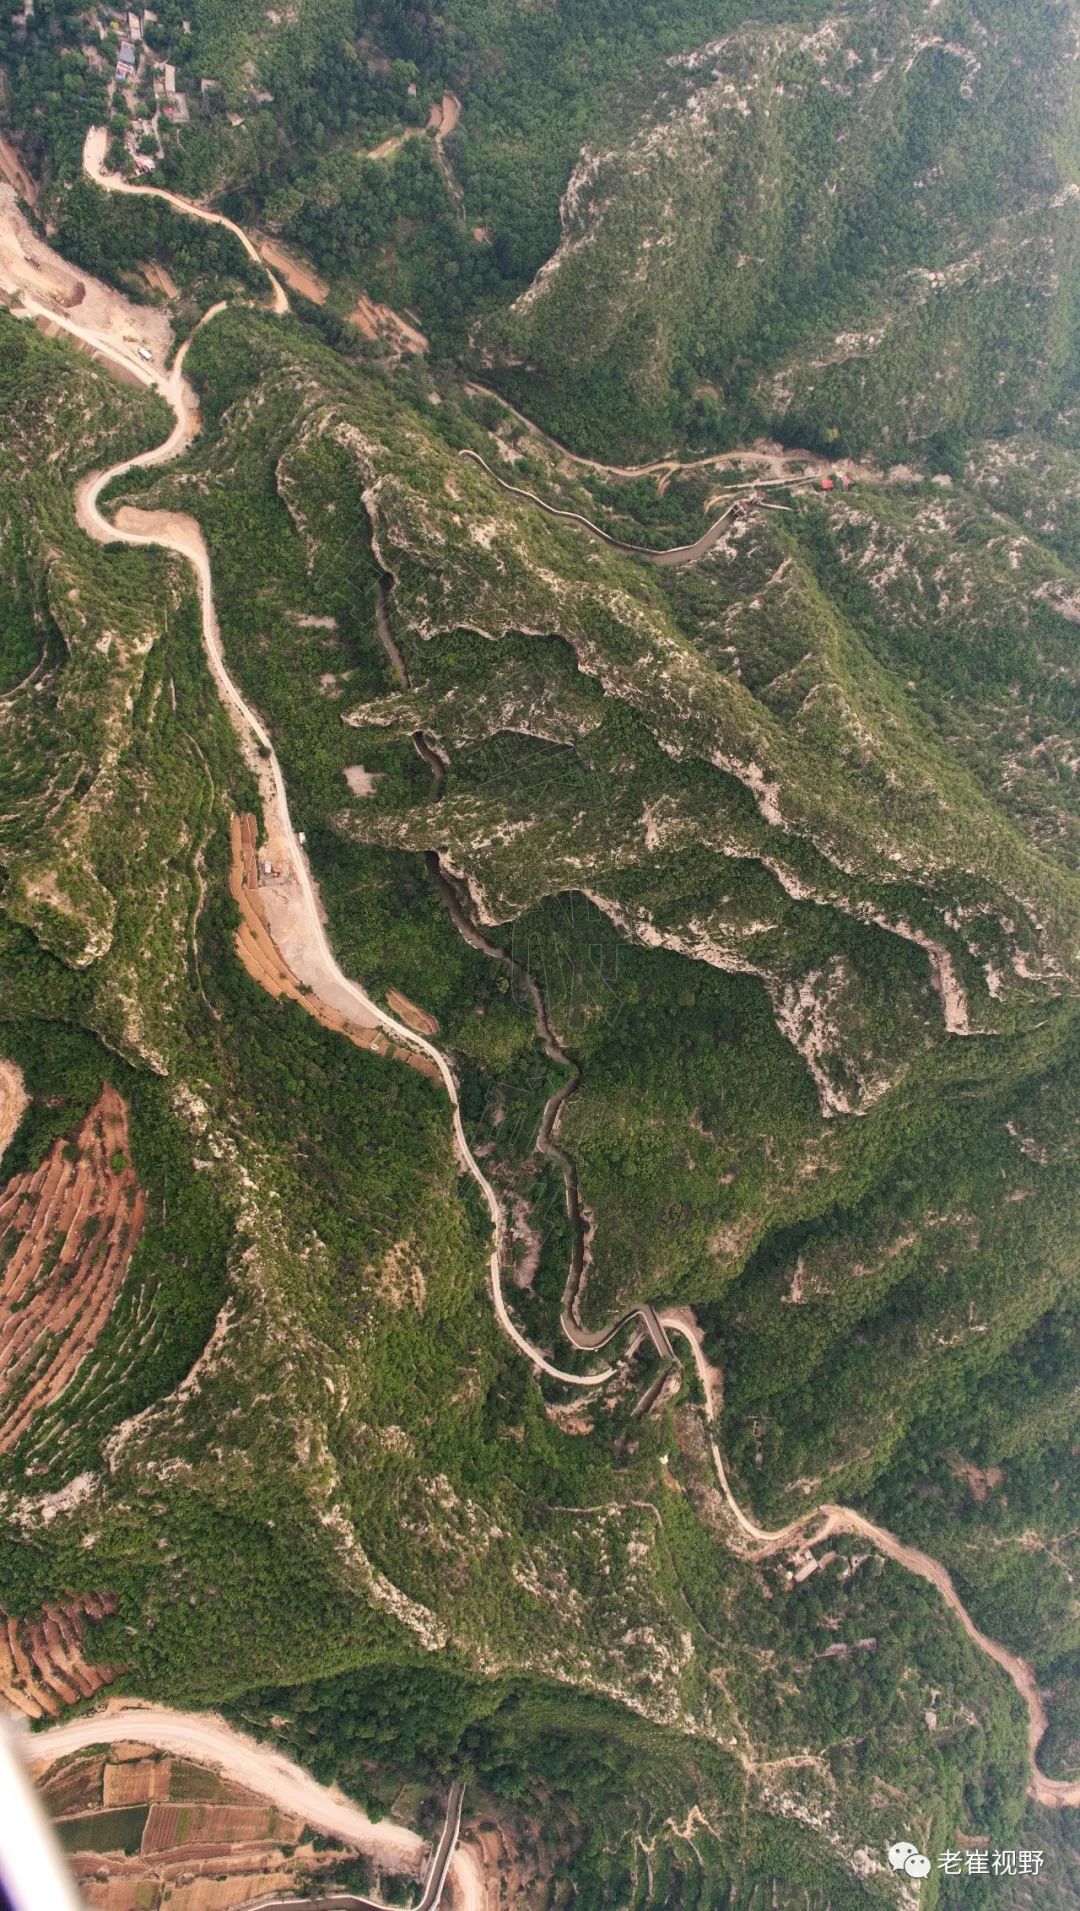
(126, 61)
(174, 105)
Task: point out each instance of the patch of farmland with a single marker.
(74, 1787)
(212, 1828)
(113, 1893)
(42, 1661)
(137, 1781)
(214, 1893)
(104, 1830)
(228, 1846)
(68, 1230)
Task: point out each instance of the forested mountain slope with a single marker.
(862, 232)
(740, 891)
(765, 851)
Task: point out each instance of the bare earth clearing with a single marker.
(13, 170)
(266, 901)
(47, 284)
(312, 960)
(13, 1100)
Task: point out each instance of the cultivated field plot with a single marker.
(144, 1829)
(67, 1233)
(208, 1830)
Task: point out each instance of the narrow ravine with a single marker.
(455, 903)
(547, 1142)
(318, 967)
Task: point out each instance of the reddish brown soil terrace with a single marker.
(260, 957)
(42, 1666)
(380, 321)
(297, 274)
(68, 1231)
(109, 1883)
(158, 279)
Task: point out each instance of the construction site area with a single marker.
(260, 887)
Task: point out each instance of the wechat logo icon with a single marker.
(909, 1859)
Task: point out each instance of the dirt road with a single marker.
(442, 118)
(94, 150)
(586, 1340)
(208, 1738)
(1054, 1792)
(31, 270)
(672, 559)
(771, 462)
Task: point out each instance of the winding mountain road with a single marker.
(95, 148)
(317, 966)
(674, 558)
(1055, 1792)
(586, 1340)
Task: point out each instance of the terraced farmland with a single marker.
(69, 1230)
(43, 1665)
